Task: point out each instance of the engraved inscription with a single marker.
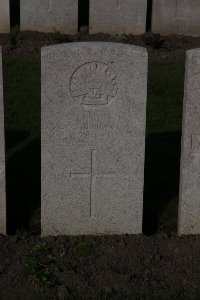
(94, 83)
(91, 120)
(92, 175)
(195, 144)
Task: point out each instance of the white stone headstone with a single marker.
(4, 16)
(176, 17)
(189, 206)
(118, 16)
(49, 16)
(2, 157)
(93, 138)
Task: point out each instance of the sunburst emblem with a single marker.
(94, 83)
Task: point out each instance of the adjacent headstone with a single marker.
(49, 16)
(189, 206)
(176, 17)
(4, 16)
(118, 16)
(2, 158)
(93, 138)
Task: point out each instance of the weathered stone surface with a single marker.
(93, 138)
(4, 16)
(50, 15)
(2, 158)
(176, 17)
(118, 16)
(189, 206)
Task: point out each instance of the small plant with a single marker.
(41, 266)
(60, 37)
(85, 249)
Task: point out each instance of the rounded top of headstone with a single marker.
(102, 45)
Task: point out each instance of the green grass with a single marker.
(40, 266)
(22, 100)
(163, 142)
(23, 123)
(165, 96)
(85, 249)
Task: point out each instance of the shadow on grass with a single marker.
(23, 187)
(161, 186)
(15, 137)
(161, 180)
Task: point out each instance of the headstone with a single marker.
(118, 16)
(2, 157)
(4, 16)
(93, 138)
(49, 16)
(176, 17)
(189, 206)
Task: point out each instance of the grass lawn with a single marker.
(165, 97)
(22, 101)
(22, 122)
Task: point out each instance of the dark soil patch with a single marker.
(171, 47)
(98, 267)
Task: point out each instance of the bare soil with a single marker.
(101, 267)
(171, 47)
(118, 267)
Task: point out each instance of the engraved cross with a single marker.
(92, 175)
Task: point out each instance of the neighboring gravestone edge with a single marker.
(56, 16)
(93, 138)
(189, 190)
(176, 17)
(2, 157)
(119, 17)
(4, 16)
